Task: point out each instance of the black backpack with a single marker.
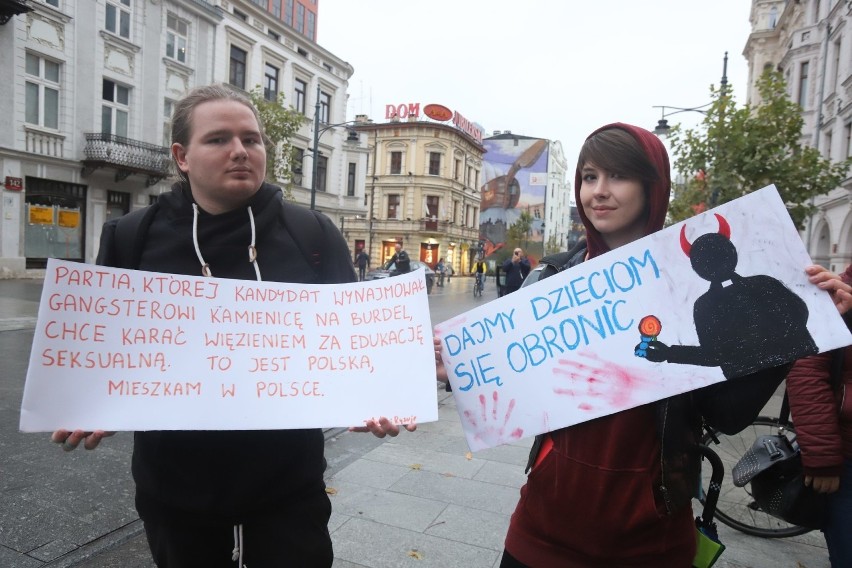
(303, 225)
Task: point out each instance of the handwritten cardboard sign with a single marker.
(724, 292)
(131, 350)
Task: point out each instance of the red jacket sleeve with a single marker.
(815, 415)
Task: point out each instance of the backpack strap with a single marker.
(130, 231)
(307, 232)
(837, 357)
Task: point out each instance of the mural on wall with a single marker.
(514, 181)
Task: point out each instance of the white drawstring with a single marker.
(237, 553)
(252, 250)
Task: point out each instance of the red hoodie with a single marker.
(594, 500)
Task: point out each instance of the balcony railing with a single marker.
(126, 156)
(45, 143)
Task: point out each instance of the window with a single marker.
(350, 180)
(237, 76)
(393, 206)
(456, 169)
(309, 30)
(836, 66)
(301, 92)
(434, 163)
(322, 173)
(396, 162)
(42, 91)
(270, 82)
(118, 17)
(273, 35)
(276, 8)
(240, 15)
(828, 144)
(803, 84)
(54, 3)
(261, 3)
(848, 139)
(325, 107)
(432, 206)
(176, 34)
(296, 163)
(300, 18)
(288, 12)
(116, 108)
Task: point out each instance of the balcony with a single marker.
(126, 157)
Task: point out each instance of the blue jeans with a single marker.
(838, 531)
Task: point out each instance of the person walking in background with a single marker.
(440, 268)
(819, 389)
(401, 260)
(362, 260)
(199, 492)
(515, 269)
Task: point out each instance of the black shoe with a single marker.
(448, 387)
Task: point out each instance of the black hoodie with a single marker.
(227, 475)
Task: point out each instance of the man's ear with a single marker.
(179, 154)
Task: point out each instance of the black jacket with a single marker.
(227, 475)
(729, 406)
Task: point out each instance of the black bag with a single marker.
(773, 466)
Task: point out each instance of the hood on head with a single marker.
(658, 196)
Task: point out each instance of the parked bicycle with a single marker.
(736, 506)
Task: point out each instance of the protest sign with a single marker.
(725, 294)
(131, 350)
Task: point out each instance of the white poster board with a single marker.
(564, 350)
(131, 350)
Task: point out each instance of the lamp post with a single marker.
(319, 131)
(663, 127)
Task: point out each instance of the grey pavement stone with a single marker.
(379, 546)
(370, 473)
(53, 550)
(470, 526)
(459, 491)
(387, 507)
(510, 475)
(428, 460)
(10, 558)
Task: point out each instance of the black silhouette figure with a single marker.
(744, 323)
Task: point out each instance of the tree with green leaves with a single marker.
(518, 232)
(280, 123)
(737, 150)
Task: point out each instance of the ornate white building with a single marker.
(810, 42)
(88, 107)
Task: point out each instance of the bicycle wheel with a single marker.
(736, 507)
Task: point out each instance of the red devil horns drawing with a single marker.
(724, 230)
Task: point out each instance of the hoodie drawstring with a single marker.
(252, 250)
(237, 553)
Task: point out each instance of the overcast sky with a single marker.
(554, 69)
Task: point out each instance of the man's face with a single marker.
(225, 159)
(397, 247)
(517, 254)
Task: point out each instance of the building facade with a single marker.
(422, 192)
(810, 43)
(88, 112)
(524, 178)
(300, 15)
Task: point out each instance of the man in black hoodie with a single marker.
(199, 492)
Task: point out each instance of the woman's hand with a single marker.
(841, 293)
(440, 370)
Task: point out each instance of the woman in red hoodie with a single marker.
(822, 411)
(616, 491)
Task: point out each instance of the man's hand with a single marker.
(841, 293)
(70, 440)
(382, 427)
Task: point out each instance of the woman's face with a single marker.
(614, 205)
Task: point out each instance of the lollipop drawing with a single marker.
(649, 328)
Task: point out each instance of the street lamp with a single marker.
(318, 131)
(663, 127)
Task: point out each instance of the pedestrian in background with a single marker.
(362, 260)
(401, 260)
(203, 494)
(819, 389)
(515, 269)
